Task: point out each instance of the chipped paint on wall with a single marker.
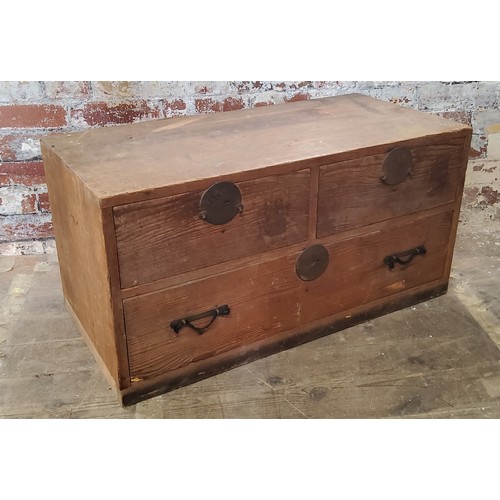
(29, 110)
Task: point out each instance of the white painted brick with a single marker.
(209, 88)
(403, 95)
(49, 247)
(483, 120)
(257, 87)
(112, 90)
(482, 172)
(272, 96)
(478, 142)
(24, 147)
(123, 90)
(13, 92)
(350, 87)
(443, 96)
(12, 199)
(66, 90)
(24, 248)
(494, 147)
(158, 90)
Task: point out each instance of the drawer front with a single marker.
(352, 194)
(268, 297)
(165, 237)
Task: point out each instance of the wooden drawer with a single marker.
(161, 238)
(351, 193)
(268, 297)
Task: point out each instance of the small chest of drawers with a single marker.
(191, 245)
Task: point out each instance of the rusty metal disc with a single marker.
(312, 263)
(220, 203)
(397, 166)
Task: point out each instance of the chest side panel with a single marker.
(84, 261)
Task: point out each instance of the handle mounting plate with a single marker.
(220, 203)
(312, 263)
(397, 166)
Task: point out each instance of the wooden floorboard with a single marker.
(438, 359)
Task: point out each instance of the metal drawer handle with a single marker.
(404, 257)
(178, 324)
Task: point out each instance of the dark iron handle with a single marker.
(178, 324)
(404, 257)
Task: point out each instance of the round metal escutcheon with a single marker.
(397, 166)
(220, 203)
(312, 263)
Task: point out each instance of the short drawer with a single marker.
(359, 192)
(161, 238)
(267, 298)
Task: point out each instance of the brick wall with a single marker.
(29, 110)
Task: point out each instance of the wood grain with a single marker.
(352, 195)
(198, 274)
(165, 237)
(199, 370)
(268, 298)
(83, 257)
(133, 162)
(458, 200)
(116, 299)
(134, 254)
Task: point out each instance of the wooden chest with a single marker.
(190, 245)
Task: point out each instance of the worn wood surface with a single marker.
(226, 360)
(181, 150)
(438, 359)
(305, 170)
(458, 202)
(225, 267)
(352, 195)
(269, 298)
(165, 237)
(83, 256)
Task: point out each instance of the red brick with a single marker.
(470, 195)
(208, 105)
(264, 103)
(25, 173)
(32, 116)
(25, 227)
(464, 117)
(300, 85)
(202, 89)
(29, 205)
(43, 202)
(244, 87)
(490, 196)
(302, 96)
(175, 107)
(102, 113)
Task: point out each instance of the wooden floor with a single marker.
(438, 359)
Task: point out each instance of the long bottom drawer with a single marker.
(267, 298)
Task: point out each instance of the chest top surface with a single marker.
(114, 161)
